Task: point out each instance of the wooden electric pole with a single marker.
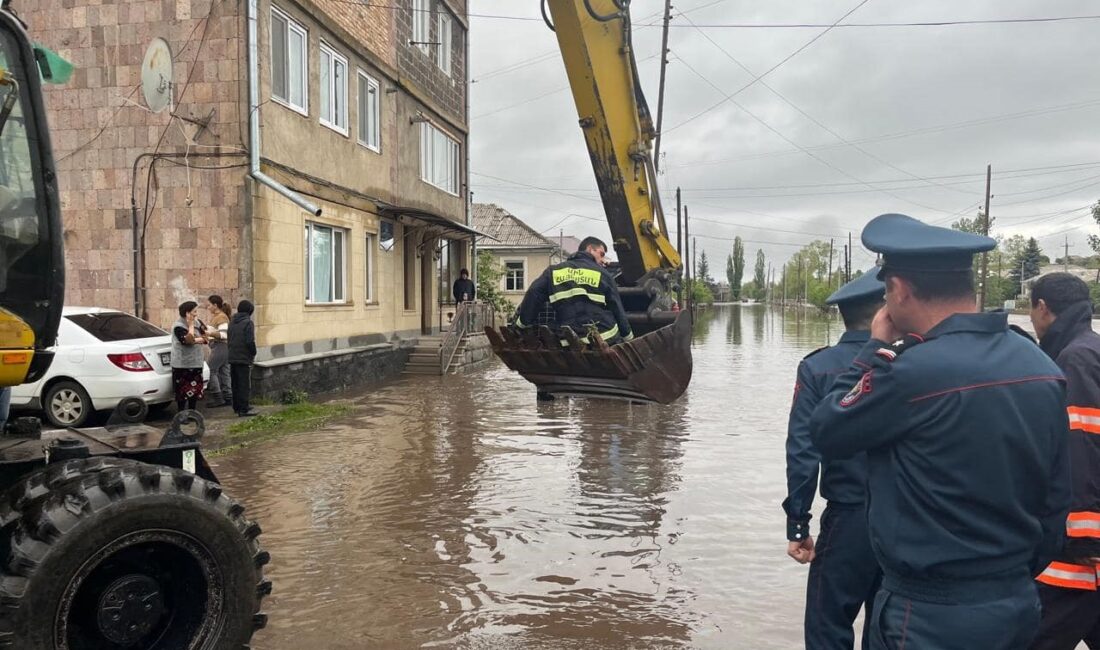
(661, 86)
(985, 231)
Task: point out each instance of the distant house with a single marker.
(522, 252)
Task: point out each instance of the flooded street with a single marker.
(459, 513)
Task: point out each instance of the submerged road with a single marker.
(459, 513)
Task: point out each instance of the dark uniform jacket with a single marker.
(242, 339)
(582, 293)
(463, 286)
(842, 481)
(1073, 345)
(967, 437)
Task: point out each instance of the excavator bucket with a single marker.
(654, 367)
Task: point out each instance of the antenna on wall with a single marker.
(156, 76)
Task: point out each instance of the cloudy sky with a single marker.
(865, 120)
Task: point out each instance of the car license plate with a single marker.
(165, 358)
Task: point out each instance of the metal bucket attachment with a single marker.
(655, 367)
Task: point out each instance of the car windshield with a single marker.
(116, 326)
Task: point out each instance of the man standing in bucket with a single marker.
(843, 574)
(1061, 312)
(966, 433)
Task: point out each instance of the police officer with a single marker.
(1061, 311)
(582, 293)
(843, 574)
(965, 429)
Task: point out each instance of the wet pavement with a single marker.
(459, 513)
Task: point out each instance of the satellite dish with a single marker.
(156, 75)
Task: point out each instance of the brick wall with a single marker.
(372, 27)
(420, 69)
(100, 127)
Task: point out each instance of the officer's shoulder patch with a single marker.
(821, 349)
(862, 387)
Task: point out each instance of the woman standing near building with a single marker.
(188, 337)
(220, 391)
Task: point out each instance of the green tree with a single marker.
(974, 225)
(700, 292)
(759, 279)
(729, 271)
(489, 273)
(1094, 241)
(1028, 261)
(738, 267)
(703, 270)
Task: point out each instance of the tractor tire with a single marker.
(114, 554)
(66, 404)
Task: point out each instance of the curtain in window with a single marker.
(321, 252)
(326, 86)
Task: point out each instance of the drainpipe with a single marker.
(254, 117)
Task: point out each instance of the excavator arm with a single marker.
(595, 41)
(596, 44)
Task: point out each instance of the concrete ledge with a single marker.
(321, 372)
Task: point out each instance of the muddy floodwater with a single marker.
(459, 513)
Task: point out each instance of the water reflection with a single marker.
(459, 512)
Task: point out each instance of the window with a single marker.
(385, 236)
(368, 264)
(334, 90)
(438, 158)
(110, 326)
(288, 62)
(443, 50)
(326, 264)
(513, 276)
(422, 22)
(370, 134)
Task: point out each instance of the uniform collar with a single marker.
(988, 322)
(855, 336)
(1074, 321)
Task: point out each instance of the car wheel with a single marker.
(67, 405)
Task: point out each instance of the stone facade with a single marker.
(209, 228)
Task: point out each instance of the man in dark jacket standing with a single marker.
(843, 573)
(965, 428)
(582, 294)
(463, 289)
(242, 352)
(1061, 312)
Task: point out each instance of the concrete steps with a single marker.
(424, 359)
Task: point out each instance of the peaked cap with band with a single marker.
(865, 287)
(910, 245)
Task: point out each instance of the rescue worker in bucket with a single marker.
(1061, 312)
(843, 574)
(965, 428)
(582, 293)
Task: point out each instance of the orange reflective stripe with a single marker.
(1083, 524)
(1070, 576)
(1085, 419)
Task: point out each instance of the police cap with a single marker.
(910, 245)
(865, 287)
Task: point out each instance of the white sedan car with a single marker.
(102, 356)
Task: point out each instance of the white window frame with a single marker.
(292, 26)
(369, 270)
(422, 24)
(428, 155)
(445, 37)
(334, 58)
(371, 112)
(507, 271)
(310, 226)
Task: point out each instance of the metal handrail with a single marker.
(469, 317)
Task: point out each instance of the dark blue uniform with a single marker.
(582, 294)
(966, 435)
(843, 576)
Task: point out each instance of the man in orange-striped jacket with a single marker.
(1061, 312)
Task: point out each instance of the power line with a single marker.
(771, 69)
(936, 23)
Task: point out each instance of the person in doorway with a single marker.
(967, 439)
(188, 337)
(242, 353)
(843, 574)
(463, 288)
(219, 391)
(582, 293)
(1061, 312)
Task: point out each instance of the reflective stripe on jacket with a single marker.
(582, 293)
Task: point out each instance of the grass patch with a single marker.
(296, 418)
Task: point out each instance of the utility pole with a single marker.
(1065, 259)
(694, 268)
(985, 231)
(829, 273)
(661, 87)
(679, 238)
(848, 262)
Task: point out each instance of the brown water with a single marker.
(459, 513)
